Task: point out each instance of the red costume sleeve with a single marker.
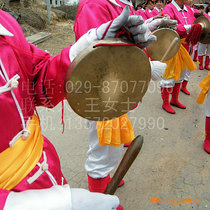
(3, 198)
(44, 74)
(49, 79)
(89, 19)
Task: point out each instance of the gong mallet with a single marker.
(173, 43)
(128, 158)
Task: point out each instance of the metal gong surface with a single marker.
(106, 82)
(205, 36)
(165, 37)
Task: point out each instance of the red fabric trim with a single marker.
(123, 31)
(194, 34)
(146, 53)
(106, 30)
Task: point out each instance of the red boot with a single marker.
(99, 185)
(119, 207)
(184, 87)
(207, 63)
(195, 56)
(165, 96)
(127, 144)
(207, 139)
(200, 59)
(175, 94)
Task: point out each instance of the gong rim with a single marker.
(165, 37)
(205, 35)
(111, 65)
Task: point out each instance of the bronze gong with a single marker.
(165, 37)
(205, 23)
(105, 82)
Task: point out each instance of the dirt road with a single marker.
(171, 172)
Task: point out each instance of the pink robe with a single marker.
(195, 10)
(183, 18)
(41, 83)
(148, 13)
(93, 13)
(155, 12)
(141, 13)
(206, 15)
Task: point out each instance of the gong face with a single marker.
(106, 82)
(158, 48)
(205, 22)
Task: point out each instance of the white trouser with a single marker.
(207, 105)
(101, 160)
(203, 49)
(185, 75)
(194, 48)
(169, 83)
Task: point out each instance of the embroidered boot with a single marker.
(127, 144)
(207, 63)
(184, 87)
(195, 56)
(175, 94)
(165, 97)
(207, 139)
(200, 59)
(99, 185)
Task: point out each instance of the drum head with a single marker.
(106, 82)
(165, 37)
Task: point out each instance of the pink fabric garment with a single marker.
(41, 83)
(183, 18)
(155, 12)
(3, 198)
(148, 13)
(206, 15)
(93, 13)
(195, 10)
(141, 13)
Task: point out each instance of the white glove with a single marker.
(62, 198)
(161, 22)
(136, 26)
(56, 197)
(84, 200)
(158, 68)
(83, 42)
(115, 26)
(187, 28)
(96, 34)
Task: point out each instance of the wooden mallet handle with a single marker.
(171, 46)
(128, 158)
